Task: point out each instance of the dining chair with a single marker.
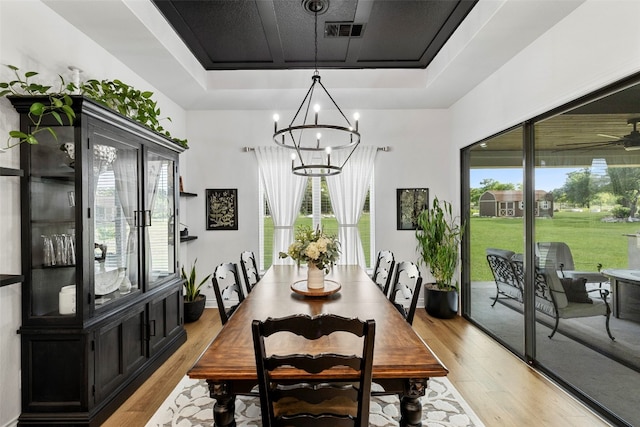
(228, 290)
(405, 287)
(383, 270)
(249, 269)
(289, 401)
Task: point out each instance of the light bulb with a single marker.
(356, 116)
(316, 107)
(318, 135)
(328, 150)
(276, 117)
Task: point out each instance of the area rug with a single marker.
(189, 405)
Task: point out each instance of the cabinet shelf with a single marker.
(11, 172)
(188, 238)
(186, 194)
(9, 279)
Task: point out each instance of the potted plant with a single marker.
(56, 102)
(439, 233)
(193, 301)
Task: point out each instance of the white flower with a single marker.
(322, 244)
(313, 251)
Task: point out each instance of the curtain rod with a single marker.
(248, 149)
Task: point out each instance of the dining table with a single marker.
(402, 361)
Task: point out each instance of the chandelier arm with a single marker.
(334, 102)
(307, 96)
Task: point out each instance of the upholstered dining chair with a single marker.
(286, 401)
(249, 269)
(405, 287)
(383, 270)
(228, 289)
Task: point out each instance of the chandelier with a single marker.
(314, 139)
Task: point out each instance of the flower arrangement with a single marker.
(313, 247)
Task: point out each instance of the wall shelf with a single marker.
(11, 172)
(9, 279)
(188, 238)
(186, 194)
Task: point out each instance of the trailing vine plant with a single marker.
(116, 95)
(59, 102)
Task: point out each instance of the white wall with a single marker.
(419, 157)
(595, 45)
(34, 38)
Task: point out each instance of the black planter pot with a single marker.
(440, 303)
(193, 309)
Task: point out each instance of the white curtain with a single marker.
(125, 170)
(348, 191)
(284, 192)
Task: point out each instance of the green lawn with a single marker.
(591, 241)
(329, 225)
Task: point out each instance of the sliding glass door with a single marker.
(573, 210)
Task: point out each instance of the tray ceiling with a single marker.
(279, 34)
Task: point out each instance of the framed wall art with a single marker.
(410, 202)
(222, 209)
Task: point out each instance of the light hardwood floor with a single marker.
(501, 389)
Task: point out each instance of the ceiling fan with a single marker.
(629, 142)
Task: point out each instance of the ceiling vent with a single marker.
(343, 29)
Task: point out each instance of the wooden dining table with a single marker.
(402, 362)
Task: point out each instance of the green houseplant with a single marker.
(439, 234)
(193, 302)
(57, 101)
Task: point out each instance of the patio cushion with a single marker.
(575, 289)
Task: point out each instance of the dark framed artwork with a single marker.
(410, 202)
(222, 209)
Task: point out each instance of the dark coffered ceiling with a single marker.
(279, 34)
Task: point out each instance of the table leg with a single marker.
(225, 407)
(410, 405)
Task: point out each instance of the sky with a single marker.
(546, 179)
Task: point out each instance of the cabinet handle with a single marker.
(152, 327)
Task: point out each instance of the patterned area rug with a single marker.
(189, 405)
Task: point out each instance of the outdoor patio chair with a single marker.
(506, 282)
(554, 299)
(559, 254)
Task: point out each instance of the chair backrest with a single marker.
(310, 402)
(500, 263)
(406, 286)
(555, 253)
(228, 290)
(383, 270)
(249, 269)
(550, 295)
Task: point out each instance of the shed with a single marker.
(509, 203)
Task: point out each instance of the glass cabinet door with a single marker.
(52, 215)
(116, 219)
(160, 210)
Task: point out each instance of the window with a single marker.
(316, 210)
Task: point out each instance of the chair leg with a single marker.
(555, 328)
(607, 326)
(495, 300)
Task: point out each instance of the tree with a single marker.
(577, 188)
(625, 183)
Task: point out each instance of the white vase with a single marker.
(315, 277)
